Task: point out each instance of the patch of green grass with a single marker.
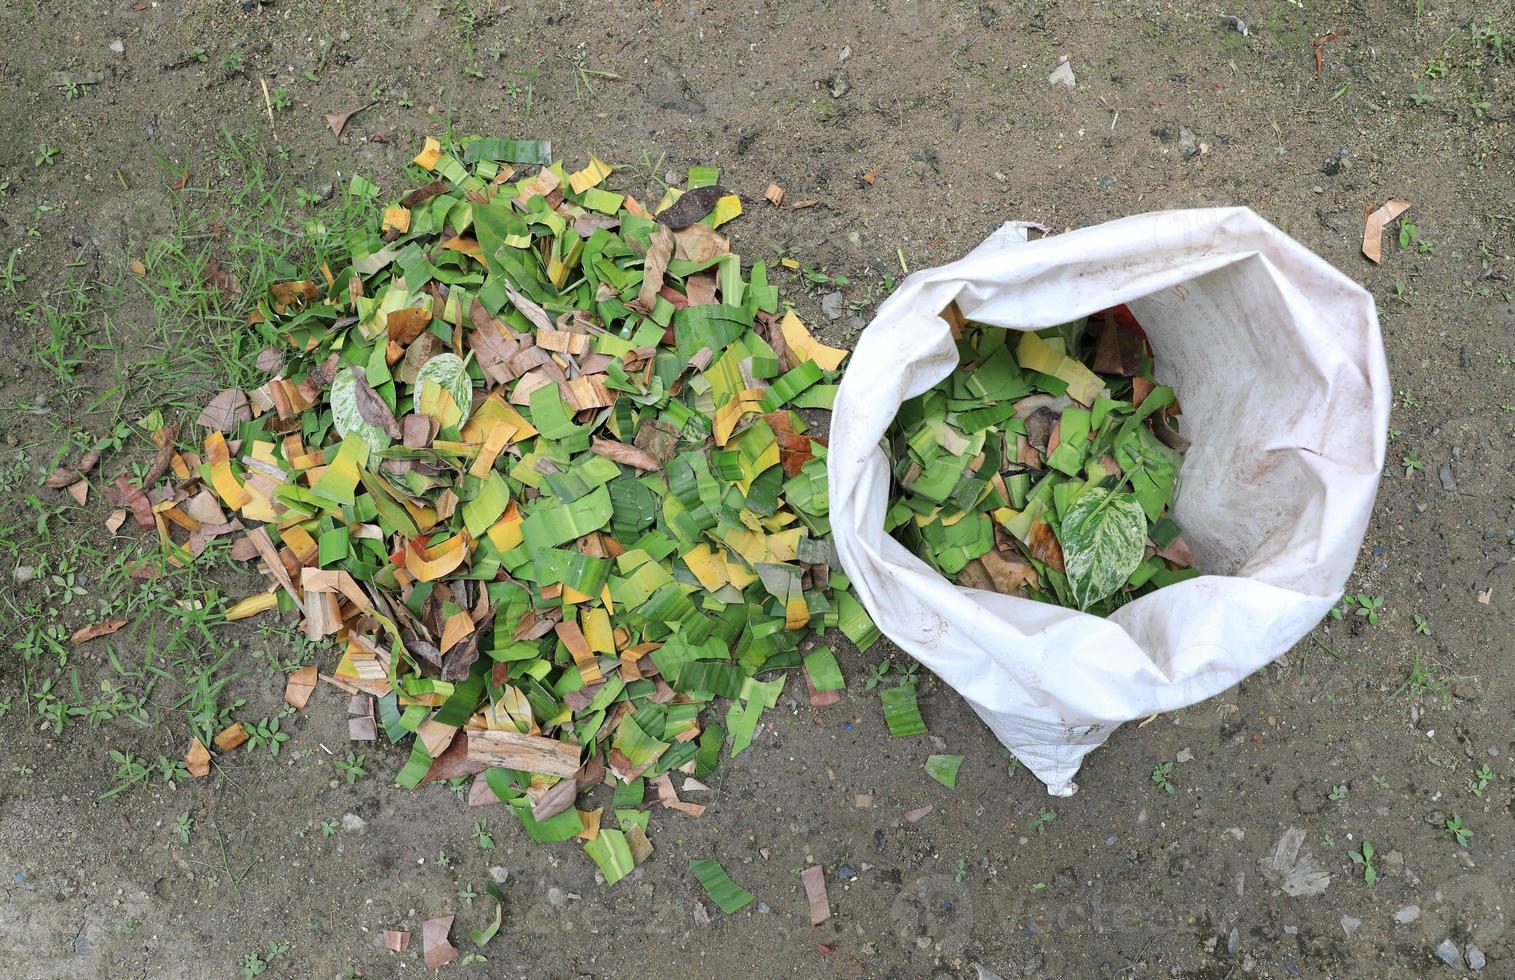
(1420, 682)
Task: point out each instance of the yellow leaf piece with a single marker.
(457, 626)
(437, 402)
(468, 246)
(226, 484)
(806, 347)
(505, 534)
(760, 549)
(591, 821)
(726, 208)
(597, 631)
(605, 598)
(747, 402)
(495, 440)
(790, 263)
(492, 410)
(706, 566)
(340, 477)
(252, 605)
(428, 157)
(397, 219)
(430, 564)
(669, 196)
(590, 176)
(300, 544)
(796, 613)
(1035, 353)
(572, 596)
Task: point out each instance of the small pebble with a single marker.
(1407, 915)
(1350, 924)
(1444, 473)
(1184, 755)
(118, 46)
(1476, 959)
(353, 823)
(1063, 75)
(1449, 954)
(845, 872)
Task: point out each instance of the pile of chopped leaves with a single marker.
(1044, 465)
(532, 460)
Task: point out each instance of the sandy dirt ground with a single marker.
(947, 105)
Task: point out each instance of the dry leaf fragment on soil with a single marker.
(197, 759)
(434, 945)
(1372, 233)
(393, 940)
(301, 683)
(230, 737)
(86, 633)
(1296, 874)
(338, 120)
(814, 880)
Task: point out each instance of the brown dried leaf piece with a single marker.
(700, 243)
(371, 408)
(299, 687)
(528, 753)
(230, 737)
(437, 951)
(659, 251)
(1372, 232)
(197, 759)
(65, 476)
(1042, 543)
(87, 633)
(226, 411)
(338, 120)
(630, 455)
(814, 880)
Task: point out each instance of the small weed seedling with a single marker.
(1459, 833)
(1411, 465)
(1337, 794)
(481, 834)
(1364, 857)
(1481, 780)
(961, 871)
(1422, 625)
(1367, 606)
(46, 156)
(329, 828)
(351, 768)
(266, 734)
(184, 825)
(1040, 821)
(877, 673)
(1160, 777)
